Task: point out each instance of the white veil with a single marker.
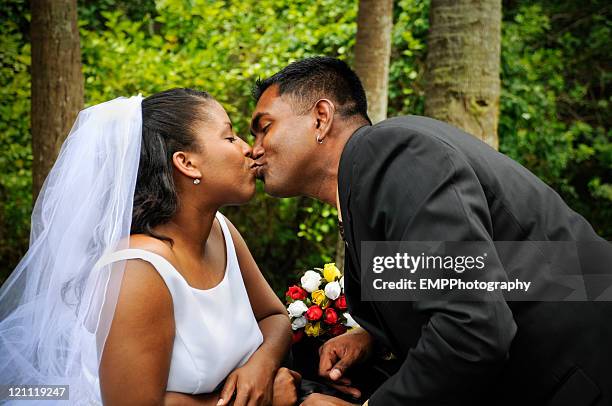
(53, 319)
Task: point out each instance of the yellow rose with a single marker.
(313, 330)
(318, 296)
(331, 272)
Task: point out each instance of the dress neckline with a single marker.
(227, 260)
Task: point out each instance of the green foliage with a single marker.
(555, 102)
(554, 105)
(16, 158)
(411, 24)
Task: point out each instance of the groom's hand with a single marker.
(342, 352)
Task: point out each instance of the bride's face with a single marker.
(224, 159)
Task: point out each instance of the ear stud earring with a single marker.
(196, 181)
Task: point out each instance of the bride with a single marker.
(135, 289)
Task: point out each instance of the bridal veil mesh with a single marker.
(56, 307)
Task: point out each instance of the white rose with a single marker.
(297, 308)
(311, 281)
(342, 282)
(299, 323)
(333, 290)
(350, 322)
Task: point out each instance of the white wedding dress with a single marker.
(216, 331)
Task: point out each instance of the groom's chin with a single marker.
(278, 191)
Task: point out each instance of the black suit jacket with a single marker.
(418, 179)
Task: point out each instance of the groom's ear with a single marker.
(324, 110)
(184, 163)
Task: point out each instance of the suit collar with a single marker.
(345, 180)
(345, 166)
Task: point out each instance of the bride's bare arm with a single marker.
(268, 309)
(136, 358)
(273, 322)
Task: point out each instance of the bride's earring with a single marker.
(319, 140)
(196, 181)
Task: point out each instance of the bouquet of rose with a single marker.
(317, 306)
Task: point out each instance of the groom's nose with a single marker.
(258, 150)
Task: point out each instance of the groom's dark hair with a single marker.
(311, 79)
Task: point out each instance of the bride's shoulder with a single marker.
(151, 244)
(144, 300)
(138, 279)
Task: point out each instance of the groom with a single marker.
(417, 179)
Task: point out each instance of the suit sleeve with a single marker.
(413, 187)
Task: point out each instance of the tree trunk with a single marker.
(57, 81)
(463, 64)
(372, 55)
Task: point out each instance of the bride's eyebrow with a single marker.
(228, 124)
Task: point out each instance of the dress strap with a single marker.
(174, 281)
(230, 249)
(226, 232)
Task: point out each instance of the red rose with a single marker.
(296, 293)
(341, 303)
(337, 329)
(331, 317)
(314, 313)
(297, 336)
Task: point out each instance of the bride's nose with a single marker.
(247, 151)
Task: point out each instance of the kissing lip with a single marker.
(255, 167)
(258, 168)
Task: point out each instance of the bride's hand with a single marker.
(252, 383)
(286, 383)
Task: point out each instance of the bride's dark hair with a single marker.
(168, 119)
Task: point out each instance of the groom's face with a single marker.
(285, 144)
